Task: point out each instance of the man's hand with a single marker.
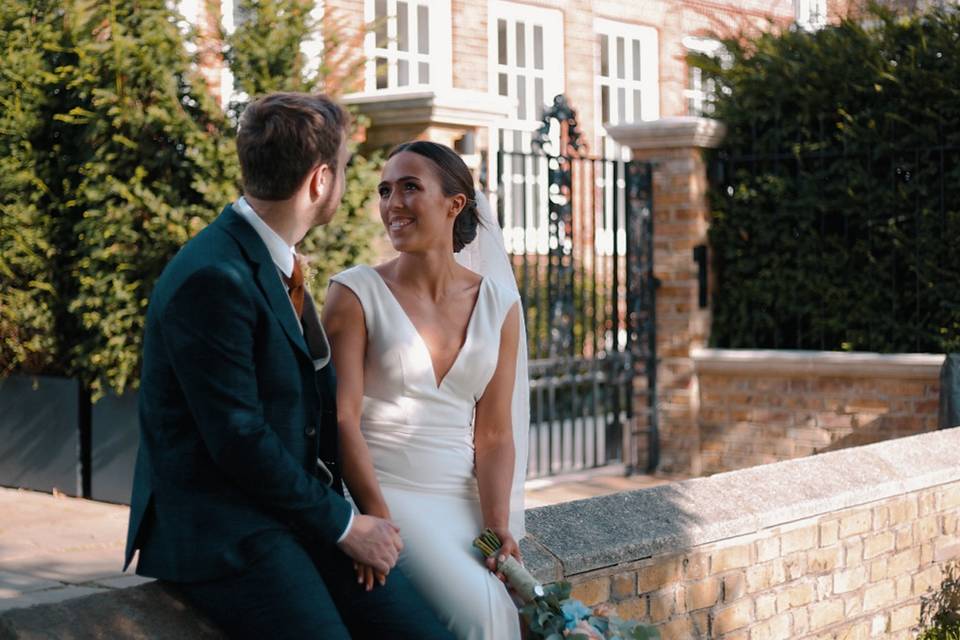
(374, 542)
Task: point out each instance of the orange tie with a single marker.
(295, 284)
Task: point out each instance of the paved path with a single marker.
(54, 547)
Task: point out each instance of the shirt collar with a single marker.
(280, 251)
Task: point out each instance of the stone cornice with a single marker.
(456, 107)
(669, 133)
(817, 363)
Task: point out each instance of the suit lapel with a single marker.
(267, 276)
(313, 333)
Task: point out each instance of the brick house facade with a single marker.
(438, 69)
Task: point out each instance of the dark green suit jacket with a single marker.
(233, 414)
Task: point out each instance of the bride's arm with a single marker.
(493, 438)
(344, 323)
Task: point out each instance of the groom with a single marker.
(237, 497)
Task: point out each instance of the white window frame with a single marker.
(534, 236)
(648, 84)
(552, 75)
(698, 96)
(810, 14)
(440, 45)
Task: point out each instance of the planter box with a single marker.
(115, 436)
(40, 433)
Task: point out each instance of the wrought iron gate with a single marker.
(579, 231)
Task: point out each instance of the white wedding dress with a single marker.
(420, 436)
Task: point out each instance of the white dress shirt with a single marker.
(283, 256)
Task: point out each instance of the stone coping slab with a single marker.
(823, 363)
(585, 535)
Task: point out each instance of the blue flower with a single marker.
(573, 612)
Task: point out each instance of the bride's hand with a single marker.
(509, 548)
(368, 576)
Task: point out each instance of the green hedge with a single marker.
(112, 155)
(836, 193)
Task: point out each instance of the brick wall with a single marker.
(856, 573)
(470, 44)
(841, 545)
(761, 407)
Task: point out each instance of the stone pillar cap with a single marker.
(669, 133)
(457, 107)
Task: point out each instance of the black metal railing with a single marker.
(579, 232)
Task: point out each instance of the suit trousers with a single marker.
(289, 592)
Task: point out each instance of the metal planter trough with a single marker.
(115, 436)
(40, 433)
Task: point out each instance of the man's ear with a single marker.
(319, 180)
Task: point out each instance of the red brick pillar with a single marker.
(681, 215)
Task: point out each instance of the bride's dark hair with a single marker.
(455, 178)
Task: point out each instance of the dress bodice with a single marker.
(418, 431)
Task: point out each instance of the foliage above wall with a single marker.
(836, 194)
(113, 154)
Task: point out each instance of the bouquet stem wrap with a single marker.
(522, 581)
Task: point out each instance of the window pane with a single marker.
(423, 29)
(381, 73)
(604, 56)
(502, 41)
(521, 44)
(521, 97)
(538, 47)
(403, 73)
(403, 27)
(637, 106)
(621, 104)
(503, 84)
(605, 104)
(620, 58)
(424, 73)
(380, 26)
(636, 60)
(538, 97)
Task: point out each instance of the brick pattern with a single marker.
(681, 215)
(745, 420)
(855, 573)
(470, 44)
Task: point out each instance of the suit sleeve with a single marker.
(208, 329)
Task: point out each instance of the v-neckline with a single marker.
(423, 343)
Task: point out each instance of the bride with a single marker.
(431, 388)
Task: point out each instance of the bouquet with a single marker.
(551, 614)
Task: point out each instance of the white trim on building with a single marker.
(627, 73)
(810, 14)
(410, 44)
(699, 92)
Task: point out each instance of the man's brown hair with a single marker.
(283, 136)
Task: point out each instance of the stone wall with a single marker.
(756, 407)
(838, 545)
